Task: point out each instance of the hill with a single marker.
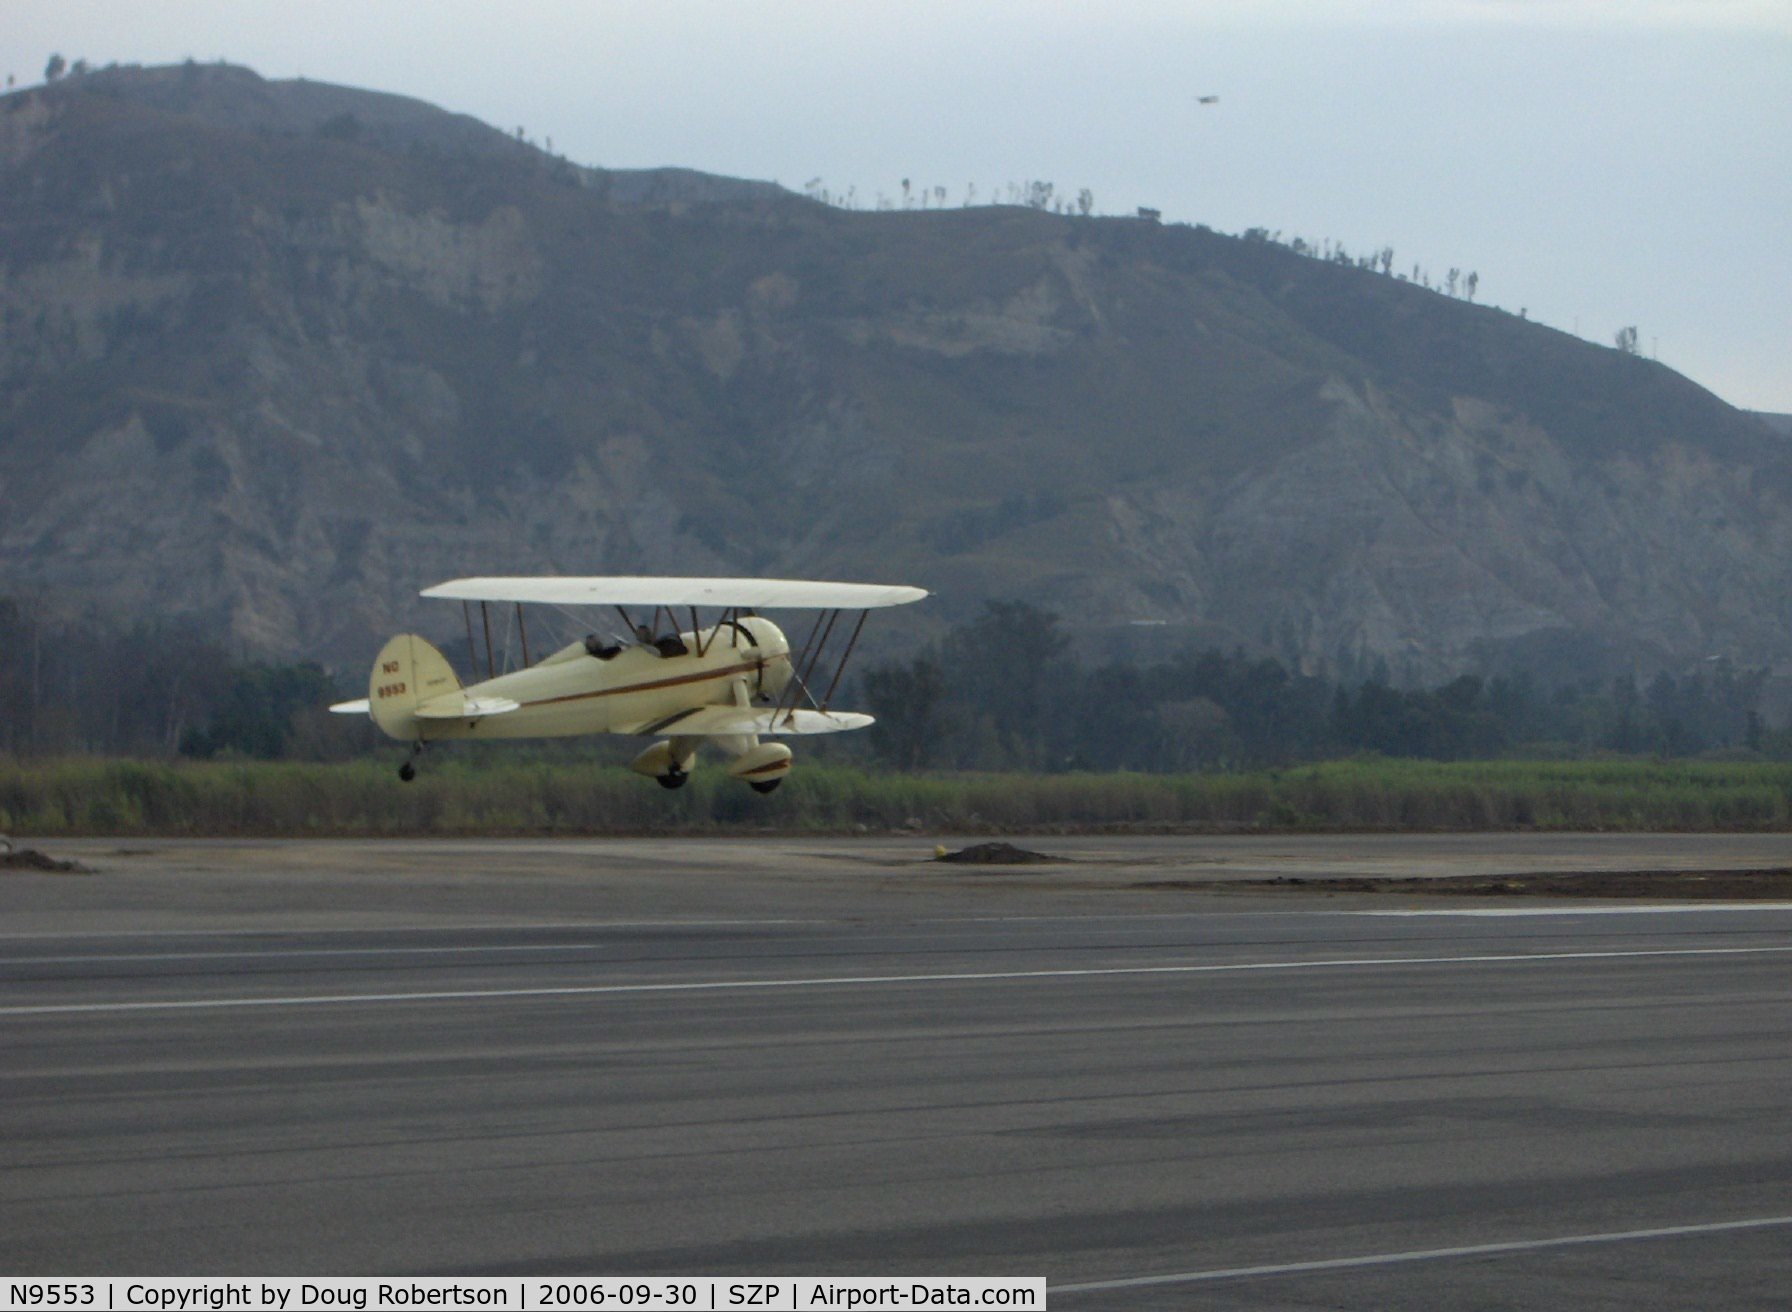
(278, 354)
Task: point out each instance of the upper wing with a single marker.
(754, 594)
(724, 721)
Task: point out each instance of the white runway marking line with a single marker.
(860, 981)
(582, 926)
(1422, 1255)
(1648, 909)
(281, 954)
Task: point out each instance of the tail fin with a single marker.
(407, 671)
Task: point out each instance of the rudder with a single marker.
(407, 672)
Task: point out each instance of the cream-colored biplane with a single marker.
(726, 684)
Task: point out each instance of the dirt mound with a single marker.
(995, 854)
(29, 858)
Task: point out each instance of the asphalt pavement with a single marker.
(739, 1059)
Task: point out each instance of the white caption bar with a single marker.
(649, 1293)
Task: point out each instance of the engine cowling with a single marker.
(767, 640)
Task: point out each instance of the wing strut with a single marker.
(845, 656)
(796, 666)
(485, 621)
(804, 665)
(808, 662)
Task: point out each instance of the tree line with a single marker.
(1002, 691)
(1034, 194)
(76, 687)
(1005, 692)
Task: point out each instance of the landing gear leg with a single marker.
(408, 771)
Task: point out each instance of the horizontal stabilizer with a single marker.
(459, 706)
(728, 721)
(360, 706)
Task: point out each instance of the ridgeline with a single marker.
(277, 354)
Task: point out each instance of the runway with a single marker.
(460, 1061)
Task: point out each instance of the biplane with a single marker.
(726, 684)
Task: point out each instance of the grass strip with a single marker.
(104, 796)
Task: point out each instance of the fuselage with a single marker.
(575, 691)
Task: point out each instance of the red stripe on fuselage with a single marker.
(722, 673)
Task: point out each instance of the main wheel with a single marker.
(672, 778)
(763, 785)
(407, 772)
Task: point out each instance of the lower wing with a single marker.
(727, 721)
(693, 722)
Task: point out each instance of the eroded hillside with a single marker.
(280, 355)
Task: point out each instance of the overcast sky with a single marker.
(1600, 163)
